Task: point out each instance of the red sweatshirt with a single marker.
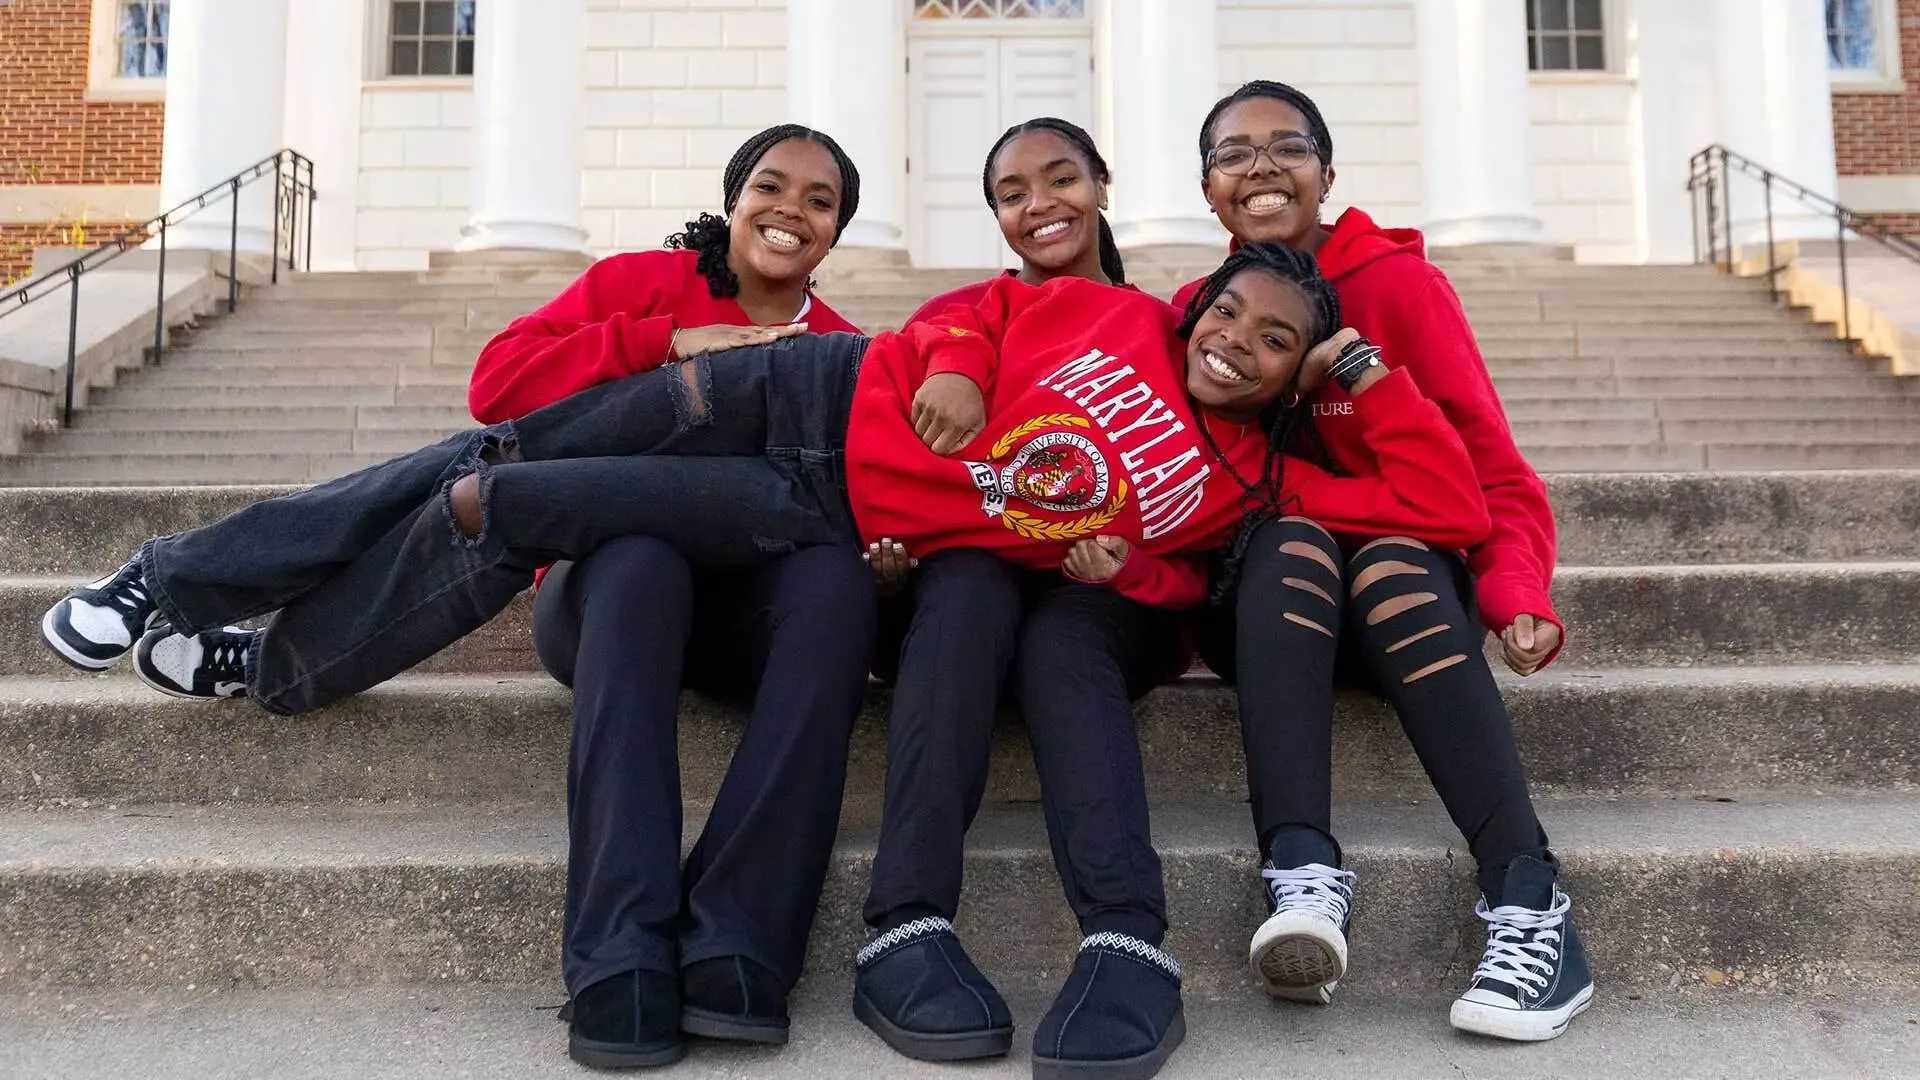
(967, 296)
(615, 320)
(1403, 303)
(1089, 431)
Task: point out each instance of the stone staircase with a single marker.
(1726, 758)
(1601, 369)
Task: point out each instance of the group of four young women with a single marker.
(1058, 481)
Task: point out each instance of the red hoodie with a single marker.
(616, 319)
(1403, 303)
(1090, 431)
(967, 296)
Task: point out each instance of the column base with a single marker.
(1171, 232)
(1503, 253)
(490, 235)
(1470, 231)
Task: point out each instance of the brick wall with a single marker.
(1905, 224)
(1878, 134)
(17, 242)
(49, 131)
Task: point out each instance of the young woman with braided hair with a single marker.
(1082, 422)
(1396, 614)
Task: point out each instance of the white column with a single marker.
(226, 95)
(847, 76)
(1671, 66)
(1161, 80)
(1476, 167)
(1776, 107)
(529, 93)
(326, 58)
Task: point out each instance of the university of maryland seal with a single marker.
(1050, 466)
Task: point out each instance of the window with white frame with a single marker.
(1566, 35)
(140, 39)
(999, 9)
(1863, 42)
(429, 38)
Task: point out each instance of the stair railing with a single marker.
(1710, 190)
(293, 197)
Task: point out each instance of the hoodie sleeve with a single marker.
(608, 324)
(1426, 488)
(965, 339)
(1164, 581)
(1513, 568)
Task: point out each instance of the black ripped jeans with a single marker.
(370, 574)
(1406, 610)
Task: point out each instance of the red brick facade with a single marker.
(1879, 134)
(50, 133)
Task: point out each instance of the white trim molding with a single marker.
(104, 81)
(1895, 194)
(1884, 76)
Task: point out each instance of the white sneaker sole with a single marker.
(1518, 1025)
(1298, 958)
(51, 636)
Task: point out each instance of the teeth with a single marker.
(1269, 201)
(1045, 231)
(1221, 368)
(779, 237)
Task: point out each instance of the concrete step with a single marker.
(216, 441)
(298, 378)
(274, 417)
(1666, 616)
(304, 352)
(1719, 457)
(276, 334)
(145, 897)
(1604, 519)
(132, 465)
(174, 397)
(507, 1032)
(1633, 457)
(465, 738)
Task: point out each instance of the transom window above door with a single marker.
(1566, 35)
(999, 9)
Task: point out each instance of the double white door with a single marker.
(963, 92)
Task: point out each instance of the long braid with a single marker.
(708, 234)
(1274, 91)
(1286, 420)
(1110, 262)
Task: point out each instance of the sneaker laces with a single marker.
(225, 658)
(1522, 944)
(1316, 888)
(127, 591)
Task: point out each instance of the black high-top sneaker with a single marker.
(208, 665)
(1300, 952)
(1534, 978)
(1118, 1017)
(96, 625)
(917, 989)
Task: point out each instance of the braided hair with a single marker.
(1287, 420)
(1272, 91)
(708, 234)
(1076, 136)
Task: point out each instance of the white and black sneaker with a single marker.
(1534, 977)
(208, 665)
(96, 625)
(1300, 952)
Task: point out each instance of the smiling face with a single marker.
(1246, 349)
(1048, 203)
(785, 219)
(1267, 202)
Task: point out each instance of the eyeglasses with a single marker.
(1237, 159)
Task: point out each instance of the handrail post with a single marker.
(233, 250)
(1693, 209)
(311, 196)
(274, 259)
(1726, 203)
(160, 297)
(1846, 297)
(1773, 286)
(73, 339)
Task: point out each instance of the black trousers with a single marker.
(628, 626)
(1074, 657)
(1406, 612)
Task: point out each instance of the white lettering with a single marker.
(1150, 479)
(1151, 416)
(1087, 391)
(1103, 413)
(1132, 458)
(1175, 515)
(1074, 369)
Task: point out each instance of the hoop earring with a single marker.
(1291, 401)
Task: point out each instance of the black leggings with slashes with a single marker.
(1405, 609)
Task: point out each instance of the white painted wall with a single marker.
(416, 191)
(1583, 166)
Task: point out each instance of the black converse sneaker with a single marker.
(209, 665)
(1300, 952)
(99, 623)
(1534, 978)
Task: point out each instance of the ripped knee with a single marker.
(463, 506)
(467, 495)
(694, 378)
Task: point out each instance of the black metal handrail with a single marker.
(1710, 191)
(293, 196)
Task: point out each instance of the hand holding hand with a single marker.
(1096, 558)
(1528, 642)
(948, 412)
